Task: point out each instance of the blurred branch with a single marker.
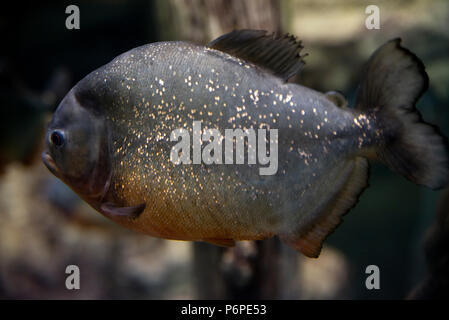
(203, 20)
(265, 269)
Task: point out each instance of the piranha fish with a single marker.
(110, 139)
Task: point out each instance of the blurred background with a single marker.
(398, 226)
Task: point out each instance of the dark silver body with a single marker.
(148, 92)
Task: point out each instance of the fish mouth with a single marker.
(93, 185)
(49, 163)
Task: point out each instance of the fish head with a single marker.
(77, 148)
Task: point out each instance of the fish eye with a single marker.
(57, 138)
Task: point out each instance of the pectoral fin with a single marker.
(110, 209)
(221, 242)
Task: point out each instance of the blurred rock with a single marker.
(38, 239)
(326, 277)
(436, 282)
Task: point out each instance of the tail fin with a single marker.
(394, 80)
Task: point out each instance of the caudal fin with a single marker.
(394, 80)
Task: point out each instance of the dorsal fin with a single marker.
(279, 54)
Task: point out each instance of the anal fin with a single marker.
(310, 240)
(221, 242)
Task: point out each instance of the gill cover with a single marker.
(78, 146)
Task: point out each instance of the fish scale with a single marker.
(275, 102)
(139, 99)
